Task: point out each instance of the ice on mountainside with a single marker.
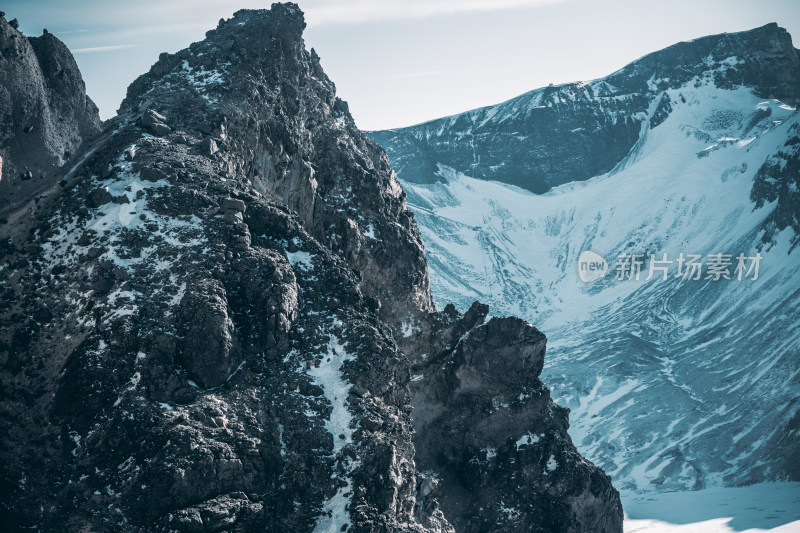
(644, 366)
(673, 384)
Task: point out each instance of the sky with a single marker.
(402, 62)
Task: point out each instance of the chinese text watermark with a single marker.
(695, 267)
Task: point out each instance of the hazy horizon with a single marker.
(401, 63)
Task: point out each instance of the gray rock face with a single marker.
(485, 424)
(572, 132)
(202, 330)
(45, 114)
(268, 126)
(210, 347)
(778, 180)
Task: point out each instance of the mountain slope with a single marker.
(210, 326)
(46, 114)
(673, 384)
(572, 132)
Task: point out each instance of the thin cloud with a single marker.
(96, 49)
(418, 74)
(138, 30)
(357, 11)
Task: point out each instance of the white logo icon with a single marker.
(591, 266)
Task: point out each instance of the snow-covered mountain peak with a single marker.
(573, 132)
(674, 383)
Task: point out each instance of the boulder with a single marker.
(209, 146)
(160, 129)
(232, 216)
(155, 122)
(151, 173)
(209, 350)
(233, 203)
(150, 117)
(99, 197)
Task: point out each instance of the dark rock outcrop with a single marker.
(45, 114)
(267, 126)
(210, 347)
(778, 180)
(572, 132)
(203, 330)
(486, 426)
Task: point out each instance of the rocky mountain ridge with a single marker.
(210, 325)
(46, 114)
(572, 132)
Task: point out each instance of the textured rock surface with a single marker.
(282, 127)
(200, 330)
(572, 132)
(778, 180)
(485, 424)
(45, 115)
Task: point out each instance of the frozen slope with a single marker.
(772, 507)
(673, 384)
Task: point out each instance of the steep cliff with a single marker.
(486, 426)
(201, 329)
